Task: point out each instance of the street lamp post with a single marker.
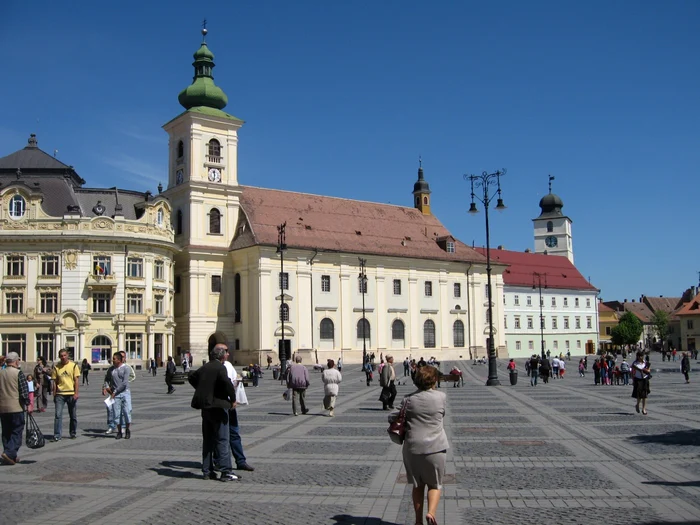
(362, 278)
(281, 248)
(539, 276)
(483, 181)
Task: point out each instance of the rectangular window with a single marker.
(530, 345)
(15, 266)
(177, 284)
(450, 247)
(554, 301)
(14, 303)
(44, 346)
(517, 322)
(556, 345)
(133, 346)
(215, 284)
(49, 265)
(397, 286)
(325, 283)
(101, 303)
(284, 281)
(517, 345)
(159, 271)
(457, 290)
(529, 300)
(566, 301)
(578, 322)
(134, 267)
(588, 302)
(608, 330)
(566, 323)
(589, 322)
(690, 324)
(516, 300)
(529, 323)
(48, 303)
(578, 344)
(428, 288)
(15, 343)
(576, 302)
(554, 323)
(134, 303)
(102, 265)
(566, 345)
(158, 303)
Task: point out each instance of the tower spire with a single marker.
(551, 178)
(421, 191)
(203, 91)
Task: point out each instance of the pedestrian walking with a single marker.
(42, 377)
(85, 370)
(596, 372)
(640, 378)
(154, 367)
(625, 371)
(545, 370)
(107, 389)
(257, 374)
(387, 378)
(339, 365)
(406, 367)
(425, 445)
(214, 395)
(185, 364)
(234, 431)
(555, 367)
(534, 370)
(121, 395)
(562, 368)
(269, 361)
(31, 386)
(331, 379)
(170, 370)
(685, 367)
(14, 399)
(298, 381)
(65, 376)
(368, 372)
(581, 369)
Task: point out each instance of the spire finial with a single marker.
(420, 161)
(551, 178)
(204, 30)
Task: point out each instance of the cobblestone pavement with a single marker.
(563, 453)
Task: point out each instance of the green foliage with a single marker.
(628, 330)
(660, 321)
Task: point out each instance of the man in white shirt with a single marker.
(233, 428)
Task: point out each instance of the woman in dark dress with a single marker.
(640, 375)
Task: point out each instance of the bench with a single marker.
(455, 379)
(179, 378)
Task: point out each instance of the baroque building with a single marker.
(85, 269)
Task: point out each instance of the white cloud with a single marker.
(136, 169)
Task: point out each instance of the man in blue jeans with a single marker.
(233, 428)
(64, 377)
(14, 399)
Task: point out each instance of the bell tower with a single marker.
(421, 192)
(552, 227)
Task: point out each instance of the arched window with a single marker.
(17, 207)
(214, 150)
(159, 218)
(237, 298)
(104, 345)
(284, 312)
(327, 329)
(363, 328)
(397, 330)
(214, 221)
(425, 200)
(429, 334)
(417, 201)
(178, 222)
(458, 333)
(550, 226)
(180, 150)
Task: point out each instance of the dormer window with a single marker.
(159, 218)
(447, 243)
(450, 247)
(18, 206)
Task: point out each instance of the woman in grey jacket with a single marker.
(331, 379)
(425, 445)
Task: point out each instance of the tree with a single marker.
(660, 322)
(628, 330)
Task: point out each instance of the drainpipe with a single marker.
(310, 262)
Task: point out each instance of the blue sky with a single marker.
(340, 98)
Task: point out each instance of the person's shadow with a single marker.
(346, 519)
(175, 469)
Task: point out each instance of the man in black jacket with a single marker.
(214, 395)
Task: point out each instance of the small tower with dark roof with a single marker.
(552, 227)
(421, 192)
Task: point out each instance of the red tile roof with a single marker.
(602, 307)
(692, 307)
(641, 310)
(560, 272)
(667, 304)
(343, 225)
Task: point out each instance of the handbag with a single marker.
(385, 395)
(241, 397)
(287, 394)
(34, 438)
(397, 428)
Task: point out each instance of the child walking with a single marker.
(30, 388)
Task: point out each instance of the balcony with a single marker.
(216, 160)
(99, 281)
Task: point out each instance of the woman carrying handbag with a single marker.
(425, 442)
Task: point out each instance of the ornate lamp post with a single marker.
(281, 248)
(539, 276)
(483, 181)
(362, 278)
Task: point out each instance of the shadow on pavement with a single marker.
(373, 409)
(674, 483)
(174, 469)
(346, 519)
(689, 437)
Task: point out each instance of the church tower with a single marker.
(204, 192)
(421, 192)
(553, 228)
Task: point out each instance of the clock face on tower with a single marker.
(214, 175)
(551, 241)
(179, 176)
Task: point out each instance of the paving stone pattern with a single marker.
(555, 454)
